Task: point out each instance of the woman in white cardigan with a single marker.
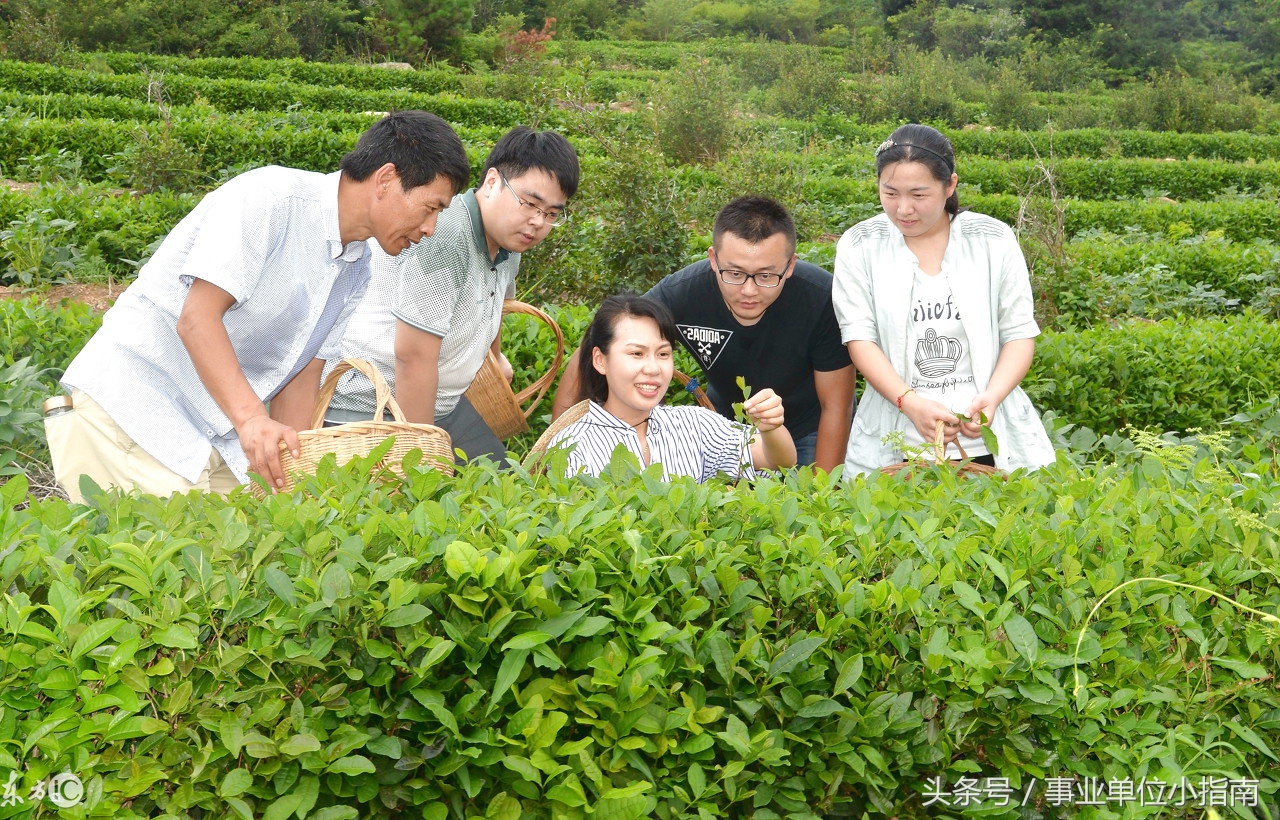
(935, 306)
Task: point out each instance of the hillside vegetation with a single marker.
(507, 645)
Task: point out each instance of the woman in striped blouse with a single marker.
(625, 366)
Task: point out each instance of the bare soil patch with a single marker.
(98, 297)
(15, 185)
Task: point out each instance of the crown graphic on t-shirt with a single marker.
(937, 355)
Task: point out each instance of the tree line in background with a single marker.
(1117, 41)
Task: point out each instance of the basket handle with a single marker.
(382, 397)
(691, 384)
(940, 446)
(542, 384)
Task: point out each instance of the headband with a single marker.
(887, 144)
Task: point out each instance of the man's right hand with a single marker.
(260, 437)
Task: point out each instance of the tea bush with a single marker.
(1101, 179)
(434, 80)
(313, 141)
(49, 337)
(1164, 275)
(231, 94)
(1174, 374)
(502, 645)
(116, 227)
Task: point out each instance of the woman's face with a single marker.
(914, 199)
(637, 368)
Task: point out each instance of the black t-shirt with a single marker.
(797, 335)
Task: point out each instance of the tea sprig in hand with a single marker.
(984, 427)
(740, 407)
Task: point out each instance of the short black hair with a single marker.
(421, 146)
(600, 333)
(755, 219)
(522, 149)
(929, 147)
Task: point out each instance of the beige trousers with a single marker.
(87, 441)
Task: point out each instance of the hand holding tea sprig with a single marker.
(925, 413)
(762, 412)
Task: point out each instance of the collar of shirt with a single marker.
(599, 416)
(332, 230)
(477, 229)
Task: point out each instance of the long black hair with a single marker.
(920, 143)
(592, 383)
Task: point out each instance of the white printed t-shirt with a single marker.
(941, 364)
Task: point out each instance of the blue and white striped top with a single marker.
(687, 441)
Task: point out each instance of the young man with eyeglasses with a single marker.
(752, 309)
(433, 314)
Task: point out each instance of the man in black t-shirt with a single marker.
(751, 309)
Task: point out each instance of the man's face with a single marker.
(405, 217)
(513, 210)
(748, 301)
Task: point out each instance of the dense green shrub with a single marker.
(1174, 374)
(50, 337)
(231, 94)
(924, 86)
(116, 227)
(313, 140)
(1239, 220)
(1088, 143)
(500, 645)
(22, 444)
(1100, 179)
(693, 115)
(434, 80)
(1177, 102)
(1137, 274)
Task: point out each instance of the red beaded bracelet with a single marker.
(904, 395)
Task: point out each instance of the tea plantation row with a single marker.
(1175, 374)
(506, 645)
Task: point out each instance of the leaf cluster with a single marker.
(504, 644)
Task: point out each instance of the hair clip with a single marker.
(885, 146)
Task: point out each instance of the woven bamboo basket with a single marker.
(691, 385)
(507, 413)
(533, 461)
(964, 467)
(359, 438)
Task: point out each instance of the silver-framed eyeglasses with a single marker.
(768, 279)
(552, 218)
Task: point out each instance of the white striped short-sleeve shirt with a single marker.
(686, 441)
(270, 238)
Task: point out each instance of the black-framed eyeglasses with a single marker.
(552, 218)
(767, 279)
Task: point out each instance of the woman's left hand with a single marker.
(983, 404)
(765, 410)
